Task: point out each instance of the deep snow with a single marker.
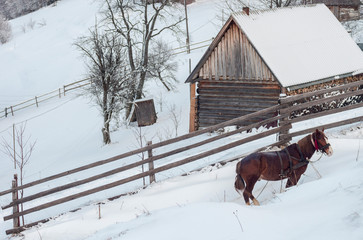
(202, 205)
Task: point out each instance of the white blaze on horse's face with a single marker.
(329, 150)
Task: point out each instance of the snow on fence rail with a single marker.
(285, 108)
(42, 98)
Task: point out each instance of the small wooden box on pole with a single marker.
(144, 112)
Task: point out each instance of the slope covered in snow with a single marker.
(198, 206)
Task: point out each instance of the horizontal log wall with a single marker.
(219, 101)
(235, 58)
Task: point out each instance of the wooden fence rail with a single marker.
(42, 98)
(285, 108)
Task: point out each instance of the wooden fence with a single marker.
(42, 98)
(285, 108)
(75, 85)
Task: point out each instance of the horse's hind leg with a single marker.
(247, 193)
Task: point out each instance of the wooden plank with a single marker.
(224, 57)
(202, 111)
(243, 81)
(236, 104)
(251, 92)
(211, 60)
(25, 227)
(144, 174)
(237, 97)
(238, 55)
(192, 112)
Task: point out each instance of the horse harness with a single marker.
(302, 161)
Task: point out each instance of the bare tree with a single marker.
(139, 22)
(232, 6)
(5, 30)
(20, 152)
(110, 81)
(161, 64)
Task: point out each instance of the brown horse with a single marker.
(289, 163)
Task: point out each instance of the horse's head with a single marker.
(320, 142)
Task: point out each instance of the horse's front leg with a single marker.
(293, 178)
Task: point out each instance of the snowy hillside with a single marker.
(202, 205)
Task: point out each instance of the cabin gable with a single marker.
(234, 58)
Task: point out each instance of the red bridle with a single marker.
(317, 146)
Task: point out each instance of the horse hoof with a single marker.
(255, 202)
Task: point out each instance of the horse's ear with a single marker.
(317, 132)
(323, 130)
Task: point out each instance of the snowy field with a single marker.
(201, 205)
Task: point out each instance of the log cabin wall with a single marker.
(234, 81)
(222, 100)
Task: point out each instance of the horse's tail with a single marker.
(239, 184)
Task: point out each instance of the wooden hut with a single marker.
(343, 10)
(257, 56)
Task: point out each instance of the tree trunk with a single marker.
(107, 113)
(106, 135)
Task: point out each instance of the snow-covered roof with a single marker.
(301, 44)
(339, 2)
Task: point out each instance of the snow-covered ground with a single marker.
(201, 205)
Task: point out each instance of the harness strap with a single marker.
(302, 161)
(290, 161)
(282, 167)
(302, 157)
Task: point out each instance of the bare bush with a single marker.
(20, 151)
(175, 117)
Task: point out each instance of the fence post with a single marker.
(36, 101)
(64, 90)
(151, 163)
(16, 220)
(6, 112)
(60, 95)
(12, 111)
(283, 121)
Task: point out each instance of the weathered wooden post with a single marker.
(151, 163)
(12, 110)
(6, 112)
(283, 121)
(192, 113)
(14, 185)
(36, 101)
